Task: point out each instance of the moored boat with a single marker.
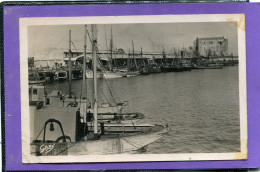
(154, 68)
(50, 75)
(166, 68)
(61, 75)
(89, 74)
(132, 73)
(177, 68)
(76, 74)
(186, 66)
(133, 139)
(228, 63)
(114, 74)
(145, 70)
(214, 66)
(36, 77)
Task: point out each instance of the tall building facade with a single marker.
(211, 47)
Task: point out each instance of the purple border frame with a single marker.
(12, 79)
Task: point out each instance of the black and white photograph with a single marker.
(136, 88)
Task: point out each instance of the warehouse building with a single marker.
(211, 47)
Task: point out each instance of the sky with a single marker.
(49, 42)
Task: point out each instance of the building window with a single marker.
(47, 101)
(35, 91)
(210, 42)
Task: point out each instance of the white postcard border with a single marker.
(25, 120)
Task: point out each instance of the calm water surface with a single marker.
(200, 106)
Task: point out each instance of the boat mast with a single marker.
(134, 55)
(128, 62)
(109, 58)
(70, 54)
(164, 57)
(84, 65)
(111, 50)
(183, 51)
(142, 57)
(94, 60)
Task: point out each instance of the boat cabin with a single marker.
(37, 95)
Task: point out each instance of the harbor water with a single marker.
(200, 106)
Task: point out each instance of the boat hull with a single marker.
(89, 75)
(37, 82)
(133, 73)
(108, 109)
(76, 74)
(120, 117)
(61, 75)
(117, 144)
(129, 126)
(112, 75)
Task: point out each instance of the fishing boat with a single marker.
(186, 65)
(107, 137)
(154, 68)
(114, 74)
(228, 62)
(89, 74)
(144, 70)
(209, 66)
(177, 65)
(126, 140)
(76, 73)
(88, 136)
(133, 73)
(177, 68)
(50, 75)
(108, 108)
(36, 77)
(113, 71)
(61, 75)
(132, 67)
(214, 66)
(166, 68)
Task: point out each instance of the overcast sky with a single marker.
(48, 42)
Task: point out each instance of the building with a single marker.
(211, 47)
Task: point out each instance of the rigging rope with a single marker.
(106, 38)
(74, 46)
(109, 85)
(66, 148)
(39, 133)
(110, 91)
(55, 46)
(98, 59)
(106, 98)
(100, 97)
(100, 90)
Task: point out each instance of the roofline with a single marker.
(211, 38)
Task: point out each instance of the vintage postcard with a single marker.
(133, 88)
